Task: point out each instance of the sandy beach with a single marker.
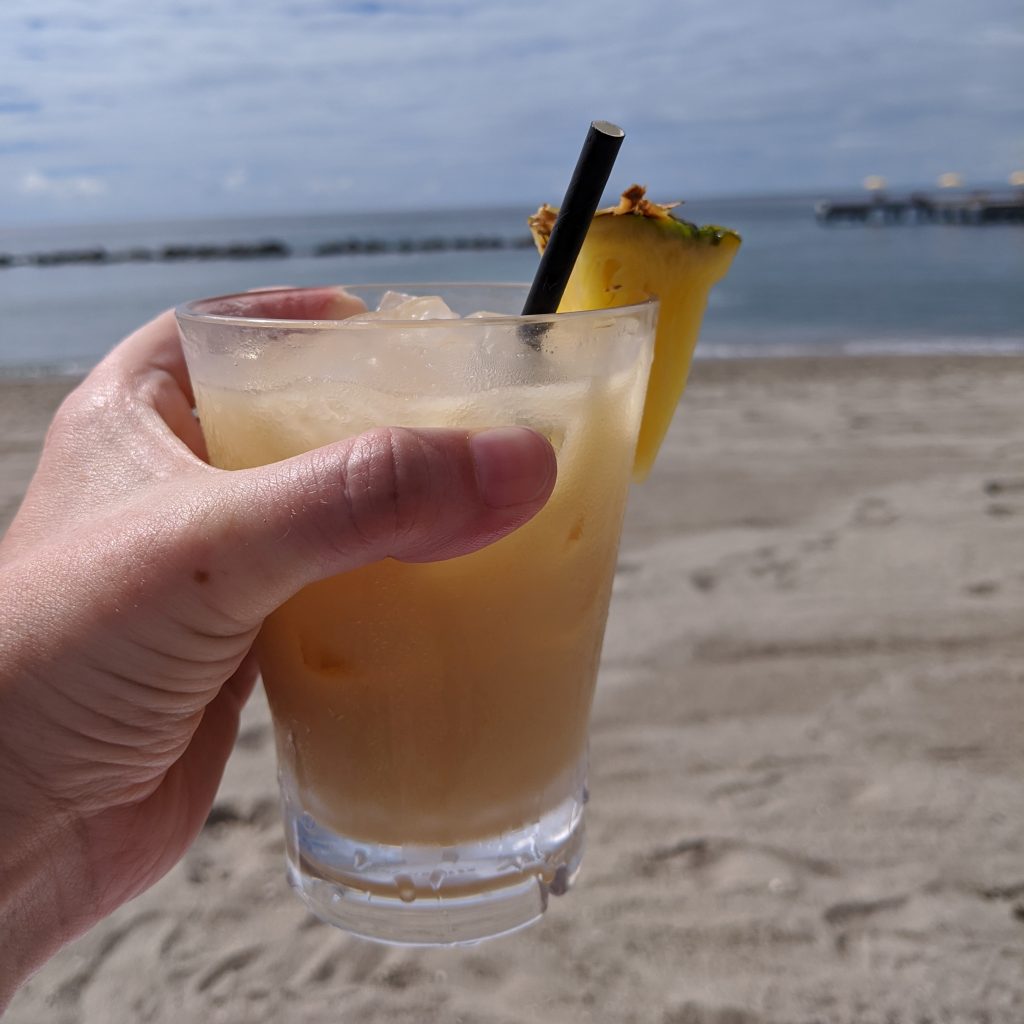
(807, 756)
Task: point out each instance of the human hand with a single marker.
(132, 584)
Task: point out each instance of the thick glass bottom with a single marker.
(434, 895)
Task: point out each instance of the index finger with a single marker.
(285, 304)
(157, 347)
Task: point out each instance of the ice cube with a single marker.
(393, 300)
(398, 306)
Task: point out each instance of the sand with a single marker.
(808, 748)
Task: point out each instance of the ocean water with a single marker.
(796, 286)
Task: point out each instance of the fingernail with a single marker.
(514, 465)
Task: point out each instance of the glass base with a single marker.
(434, 895)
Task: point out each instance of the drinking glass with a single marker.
(431, 719)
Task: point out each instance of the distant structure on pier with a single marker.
(977, 207)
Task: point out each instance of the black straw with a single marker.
(577, 211)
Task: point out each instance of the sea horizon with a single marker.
(847, 190)
(796, 287)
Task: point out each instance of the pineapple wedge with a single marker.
(635, 250)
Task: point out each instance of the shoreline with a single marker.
(795, 356)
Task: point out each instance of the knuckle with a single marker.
(90, 405)
(389, 476)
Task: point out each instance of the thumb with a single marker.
(414, 494)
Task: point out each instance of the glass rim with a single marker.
(187, 311)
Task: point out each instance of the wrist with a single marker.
(43, 899)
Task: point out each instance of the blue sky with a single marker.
(128, 109)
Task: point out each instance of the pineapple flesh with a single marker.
(635, 250)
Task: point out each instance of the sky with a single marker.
(117, 110)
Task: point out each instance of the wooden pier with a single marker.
(918, 208)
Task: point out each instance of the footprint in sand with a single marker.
(769, 564)
(725, 864)
(752, 786)
(172, 939)
(225, 812)
(228, 965)
(822, 542)
(227, 821)
(697, 1013)
(854, 910)
(402, 975)
(874, 511)
(703, 580)
(1000, 510)
(1007, 487)
(847, 917)
(1013, 485)
(1011, 893)
(982, 588)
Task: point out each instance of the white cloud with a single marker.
(235, 179)
(200, 108)
(76, 187)
(1001, 36)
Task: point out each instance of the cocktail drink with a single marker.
(431, 719)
